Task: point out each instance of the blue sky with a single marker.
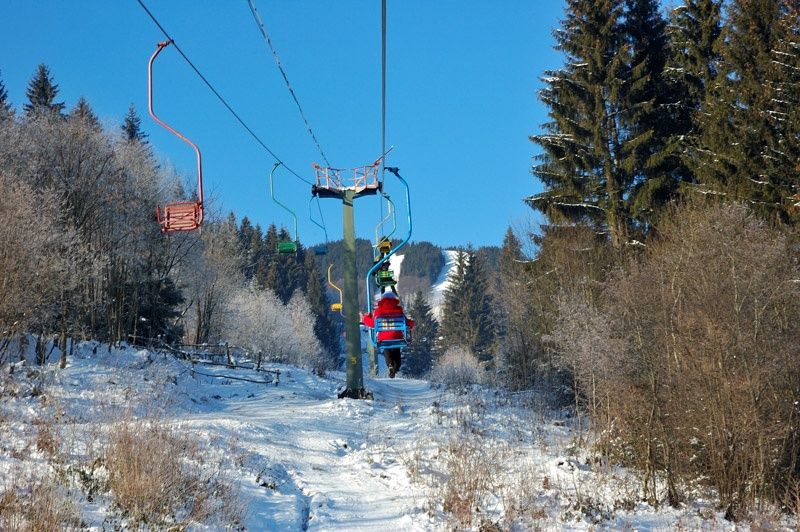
(461, 96)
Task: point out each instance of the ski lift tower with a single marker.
(347, 186)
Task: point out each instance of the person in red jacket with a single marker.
(388, 306)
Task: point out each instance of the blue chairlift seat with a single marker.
(389, 324)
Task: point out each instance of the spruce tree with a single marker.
(516, 322)
(785, 148)
(420, 353)
(654, 170)
(83, 112)
(5, 106)
(467, 313)
(734, 158)
(581, 164)
(324, 326)
(41, 93)
(695, 30)
(132, 127)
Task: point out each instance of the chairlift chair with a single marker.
(335, 307)
(385, 278)
(181, 215)
(390, 324)
(286, 247)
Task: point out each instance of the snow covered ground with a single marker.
(417, 457)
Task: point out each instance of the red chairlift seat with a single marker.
(180, 215)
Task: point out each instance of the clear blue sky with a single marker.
(462, 81)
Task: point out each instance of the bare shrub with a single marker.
(458, 367)
(34, 503)
(47, 439)
(471, 467)
(155, 477)
(694, 376)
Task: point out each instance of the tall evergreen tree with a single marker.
(324, 326)
(41, 93)
(467, 313)
(695, 30)
(516, 322)
(83, 111)
(420, 353)
(5, 105)
(581, 164)
(132, 127)
(785, 149)
(738, 131)
(646, 118)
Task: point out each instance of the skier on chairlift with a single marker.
(388, 306)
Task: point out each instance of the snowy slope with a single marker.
(436, 296)
(303, 460)
(397, 266)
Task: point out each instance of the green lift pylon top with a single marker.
(331, 184)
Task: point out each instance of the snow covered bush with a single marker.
(259, 322)
(157, 478)
(458, 367)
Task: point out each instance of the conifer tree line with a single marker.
(85, 259)
(648, 108)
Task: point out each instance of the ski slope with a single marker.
(436, 296)
(300, 459)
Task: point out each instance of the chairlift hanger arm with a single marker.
(377, 265)
(311, 216)
(161, 46)
(272, 193)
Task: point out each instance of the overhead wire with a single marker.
(383, 103)
(219, 96)
(260, 24)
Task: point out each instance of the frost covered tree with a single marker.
(83, 111)
(212, 276)
(306, 348)
(42, 93)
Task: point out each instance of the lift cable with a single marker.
(383, 100)
(219, 96)
(261, 27)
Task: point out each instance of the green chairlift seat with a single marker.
(385, 278)
(287, 248)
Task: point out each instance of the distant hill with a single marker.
(423, 265)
